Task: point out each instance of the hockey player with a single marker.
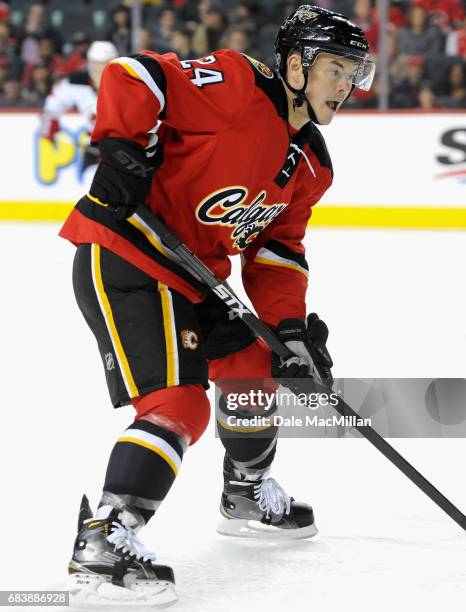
(79, 92)
(227, 152)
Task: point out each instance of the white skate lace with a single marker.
(125, 540)
(271, 497)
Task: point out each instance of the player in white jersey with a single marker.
(78, 91)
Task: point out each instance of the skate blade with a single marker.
(243, 528)
(91, 591)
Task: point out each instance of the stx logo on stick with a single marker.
(237, 308)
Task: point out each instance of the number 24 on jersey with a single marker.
(203, 76)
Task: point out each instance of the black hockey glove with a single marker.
(307, 340)
(123, 178)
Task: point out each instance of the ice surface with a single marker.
(395, 304)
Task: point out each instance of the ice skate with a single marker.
(111, 567)
(261, 509)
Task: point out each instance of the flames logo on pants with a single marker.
(189, 339)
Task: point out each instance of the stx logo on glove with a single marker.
(133, 165)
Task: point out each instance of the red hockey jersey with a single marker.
(236, 179)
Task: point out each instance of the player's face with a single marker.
(329, 83)
(95, 71)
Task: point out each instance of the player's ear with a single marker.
(295, 71)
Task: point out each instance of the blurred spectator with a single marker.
(442, 13)
(418, 30)
(180, 43)
(396, 15)
(396, 61)
(249, 16)
(451, 90)
(120, 31)
(76, 60)
(47, 56)
(7, 41)
(405, 94)
(237, 39)
(3, 71)
(146, 41)
(163, 32)
(39, 86)
(4, 12)
(208, 34)
(364, 16)
(192, 12)
(36, 26)
(456, 42)
(427, 98)
(49, 53)
(417, 37)
(10, 97)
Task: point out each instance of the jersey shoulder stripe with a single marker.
(147, 70)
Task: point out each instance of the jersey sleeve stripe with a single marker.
(282, 264)
(280, 249)
(137, 70)
(152, 236)
(264, 256)
(149, 233)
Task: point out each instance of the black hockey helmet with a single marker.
(313, 30)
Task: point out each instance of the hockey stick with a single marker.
(195, 266)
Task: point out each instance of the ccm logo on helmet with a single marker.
(357, 43)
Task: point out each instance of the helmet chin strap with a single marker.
(301, 98)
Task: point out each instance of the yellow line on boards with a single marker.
(35, 211)
(388, 217)
(322, 216)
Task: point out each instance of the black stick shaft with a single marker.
(226, 294)
(404, 466)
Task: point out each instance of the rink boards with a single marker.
(391, 170)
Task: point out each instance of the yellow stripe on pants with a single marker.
(110, 322)
(170, 335)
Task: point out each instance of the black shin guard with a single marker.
(142, 467)
(249, 450)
